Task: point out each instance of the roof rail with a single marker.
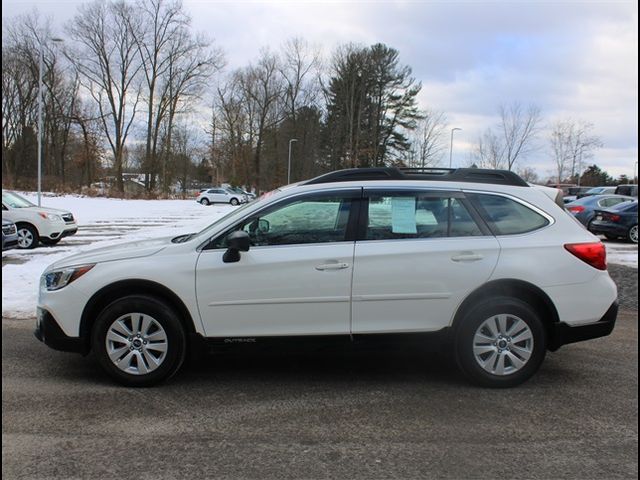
(469, 175)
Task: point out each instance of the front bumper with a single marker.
(49, 332)
(563, 333)
(65, 233)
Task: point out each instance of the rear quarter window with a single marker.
(506, 216)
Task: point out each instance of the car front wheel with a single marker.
(234, 201)
(27, 236)
(139, 341)
(500, 342)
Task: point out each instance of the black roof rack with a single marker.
(470, 175)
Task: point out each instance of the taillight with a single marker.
(595, 254)
(613, 218)
(576, 209)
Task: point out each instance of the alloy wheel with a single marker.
(136, 343)
(503, 344)
(25, 238)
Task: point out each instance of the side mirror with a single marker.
(263, 226)
(237, 242)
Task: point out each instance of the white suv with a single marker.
(478, 259)
(36, 224)
(220, 195)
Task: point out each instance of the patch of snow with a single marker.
(102, 222)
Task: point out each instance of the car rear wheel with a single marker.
(27, 236)
(500, 343)
(205, 201)
(139, 341)
(632, 236)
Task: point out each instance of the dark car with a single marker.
(620, 221)
(584, 208)
(9, 235)
(596, 191)
(628, 189)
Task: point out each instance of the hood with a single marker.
(56, 211)
(122, 251)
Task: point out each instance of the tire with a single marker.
(49, 241)
(482, 346)
(144, 337)
(205, 201)
(234, 201)
(632, 234)
(28, 237)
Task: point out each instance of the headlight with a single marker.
(50, 216)
(57, 279)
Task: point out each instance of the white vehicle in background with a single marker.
(491, 268)
(220, 195)
(36, 224)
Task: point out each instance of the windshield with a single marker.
(15, 201)
(237, 212)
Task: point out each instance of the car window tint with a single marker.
(506, 216)
(417, 216)
(317, 219)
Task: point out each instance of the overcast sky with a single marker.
(572, 59)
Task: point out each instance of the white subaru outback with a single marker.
(479, 259)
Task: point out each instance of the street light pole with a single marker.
(289, 165)
(451, 147)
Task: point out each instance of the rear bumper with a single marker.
(563, 333)
(608, 228)
(49, 332)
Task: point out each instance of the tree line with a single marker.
(134, 89)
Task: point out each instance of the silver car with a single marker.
(9, 235)
(220, 195)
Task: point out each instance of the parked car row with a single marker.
(614, 216)
(35, 225)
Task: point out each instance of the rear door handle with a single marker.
(467, 257)
(332, 266)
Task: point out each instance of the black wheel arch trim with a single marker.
(519, 289)
(109, 293)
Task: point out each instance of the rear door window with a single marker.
(506, 216)
(417, 215)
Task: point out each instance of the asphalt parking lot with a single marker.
(352, 415)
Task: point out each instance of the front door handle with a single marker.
(332, 266)
(467, 257)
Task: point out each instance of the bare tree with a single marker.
(490, 151)
(572, 143)
(106, 56)
(529, 174)
(515, 139)
(262, 88)
(430, 138)
(519, 128)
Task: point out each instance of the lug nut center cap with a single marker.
(502, 344)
